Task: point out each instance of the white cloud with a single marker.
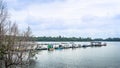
(70, 17)
(19, 15)
(72, 9)
(11, 1)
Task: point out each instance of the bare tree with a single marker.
(16, 48)
(3, 19)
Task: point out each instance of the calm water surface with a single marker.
(91, 57)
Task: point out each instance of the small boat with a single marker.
(97, 43)
(50, 47)
(59, 47)
(55, 46)
(85, 46)
(64, 45)
(41, 47)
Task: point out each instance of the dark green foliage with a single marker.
(59, 38)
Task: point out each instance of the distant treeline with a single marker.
(59, 38)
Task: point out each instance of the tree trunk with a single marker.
(6, 65)
(2, 65)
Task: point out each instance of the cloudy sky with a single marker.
(70, 18)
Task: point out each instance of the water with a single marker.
(91, 57)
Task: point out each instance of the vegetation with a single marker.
(15, 48)
(59, 38)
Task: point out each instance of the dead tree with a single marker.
(16, 48)
(3, 20)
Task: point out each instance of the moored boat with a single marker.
(97, 43)
(50, 47)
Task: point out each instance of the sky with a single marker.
(68, 18)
